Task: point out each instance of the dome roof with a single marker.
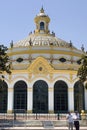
(42, 40)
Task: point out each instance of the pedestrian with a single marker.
(69, 117)
(76, 118)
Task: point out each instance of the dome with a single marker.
(42, 40)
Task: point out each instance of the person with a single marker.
(76, 118)
(69, 117)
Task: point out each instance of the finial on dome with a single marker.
(11, 43)
(42, 10)
(70, 43)
(82, 47)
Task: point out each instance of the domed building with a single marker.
(44, 73)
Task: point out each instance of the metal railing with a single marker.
(24, 118)
(34, 116)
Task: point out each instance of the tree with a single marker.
(4, 66)
(82, 74)
(82, 71)
(4, 60)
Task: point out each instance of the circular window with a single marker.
(62, 60)
(19, 60)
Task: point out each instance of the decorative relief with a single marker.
(51, 77)
(40, 66)
(71, 77)
(10, 76)
(29, 76)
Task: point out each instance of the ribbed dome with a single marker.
(42, 40)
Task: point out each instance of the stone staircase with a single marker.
(33, 122)
(37, 124)
(48, 124)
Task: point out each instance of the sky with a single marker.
(68, 19)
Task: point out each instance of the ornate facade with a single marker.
(44, 73)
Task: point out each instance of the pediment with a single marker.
(40, 66)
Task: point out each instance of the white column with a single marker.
(30, 100)
(51, 100)
(70, 99)
(10, 100)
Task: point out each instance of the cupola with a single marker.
(42, 22)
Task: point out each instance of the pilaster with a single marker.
(10, 100)
(51, 100)
(70, 99)
(30, 100)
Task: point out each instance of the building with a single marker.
(44, 74)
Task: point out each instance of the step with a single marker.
(48, 124)
(38, 128)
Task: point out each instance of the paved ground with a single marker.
(39, 128)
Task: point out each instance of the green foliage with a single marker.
(4, 60)
(82, 71)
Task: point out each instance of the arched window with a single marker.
(20, 97)
(3, 97)
(40, 97)
(79, 103)
(42, 26)
(60, 97)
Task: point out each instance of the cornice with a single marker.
(30, 51)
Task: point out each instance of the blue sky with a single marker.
(68, 19)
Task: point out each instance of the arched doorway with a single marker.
(3, 97)
(60, 97)
(40, 97)
(79, 103)
(20, 97)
